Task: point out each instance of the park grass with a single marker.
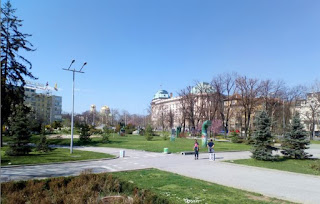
(315, 141)
(144, 186)
(155, 145)
(181, 189)
(57, 155)
(291, 165)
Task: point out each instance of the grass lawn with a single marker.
(180, 189)
(315, 141)
(156, 145)
(143, 186)
(57, 155)
(292, 165)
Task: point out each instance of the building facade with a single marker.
(46, 107)
(170, 112)
(309, 111)
(164, 106)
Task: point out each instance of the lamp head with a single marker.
(83, 65)
(71, 63)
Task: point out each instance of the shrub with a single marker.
(235, 138)
(86, 188)
(56, 124)
(165, 135)
(316, 166)
(182, 134)
(94, 131)
(142, 132)
(129, 128)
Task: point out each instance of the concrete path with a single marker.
(284, 185)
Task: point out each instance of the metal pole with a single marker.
(72, 114)
(71, 143)
(283, 119)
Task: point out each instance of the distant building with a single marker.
(46, 107)
(309, 110)
(161, 105)
(105, 113)
(164, 106)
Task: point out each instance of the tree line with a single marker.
(231, 96)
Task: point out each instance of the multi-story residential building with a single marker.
(46, 107)
(309, 110)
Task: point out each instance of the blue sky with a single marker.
(133, 46)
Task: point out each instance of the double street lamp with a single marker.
(74, 71)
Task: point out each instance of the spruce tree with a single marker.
(19, 131)
(149, 133)
(296, 140)
(14, 67)
(84, 134)
(43, 145)
(262, 139)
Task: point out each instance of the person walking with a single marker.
(196, 150)
(210, 146)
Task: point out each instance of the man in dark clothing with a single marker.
(210, 149)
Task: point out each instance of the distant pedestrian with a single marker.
(196, 149)
(210, 149)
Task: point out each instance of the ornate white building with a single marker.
(162, 104)
(166, 108)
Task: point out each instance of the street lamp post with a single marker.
(72, 114)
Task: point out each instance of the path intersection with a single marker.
(274, 183)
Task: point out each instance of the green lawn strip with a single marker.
(181, 189)
(57, 155)
(315, 141)
(156, 145)
(292, 165)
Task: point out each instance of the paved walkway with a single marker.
(284, 185)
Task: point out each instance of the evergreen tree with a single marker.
(105, 135)
(296, 140)
(84, 134)
(149, 133)
(43, 146)
(19, 131)
(14, 67)
(262, 139)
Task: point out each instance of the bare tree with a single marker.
(290, 98)
(312, 113)
(170, 119)
(249, 90)
(162, 118)
(114, 116)
(272, 93)
(188, 100)
(225, 87)
(183, 109)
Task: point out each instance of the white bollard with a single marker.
(122, 153)
(212, 156)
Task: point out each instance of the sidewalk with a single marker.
(274, 183)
